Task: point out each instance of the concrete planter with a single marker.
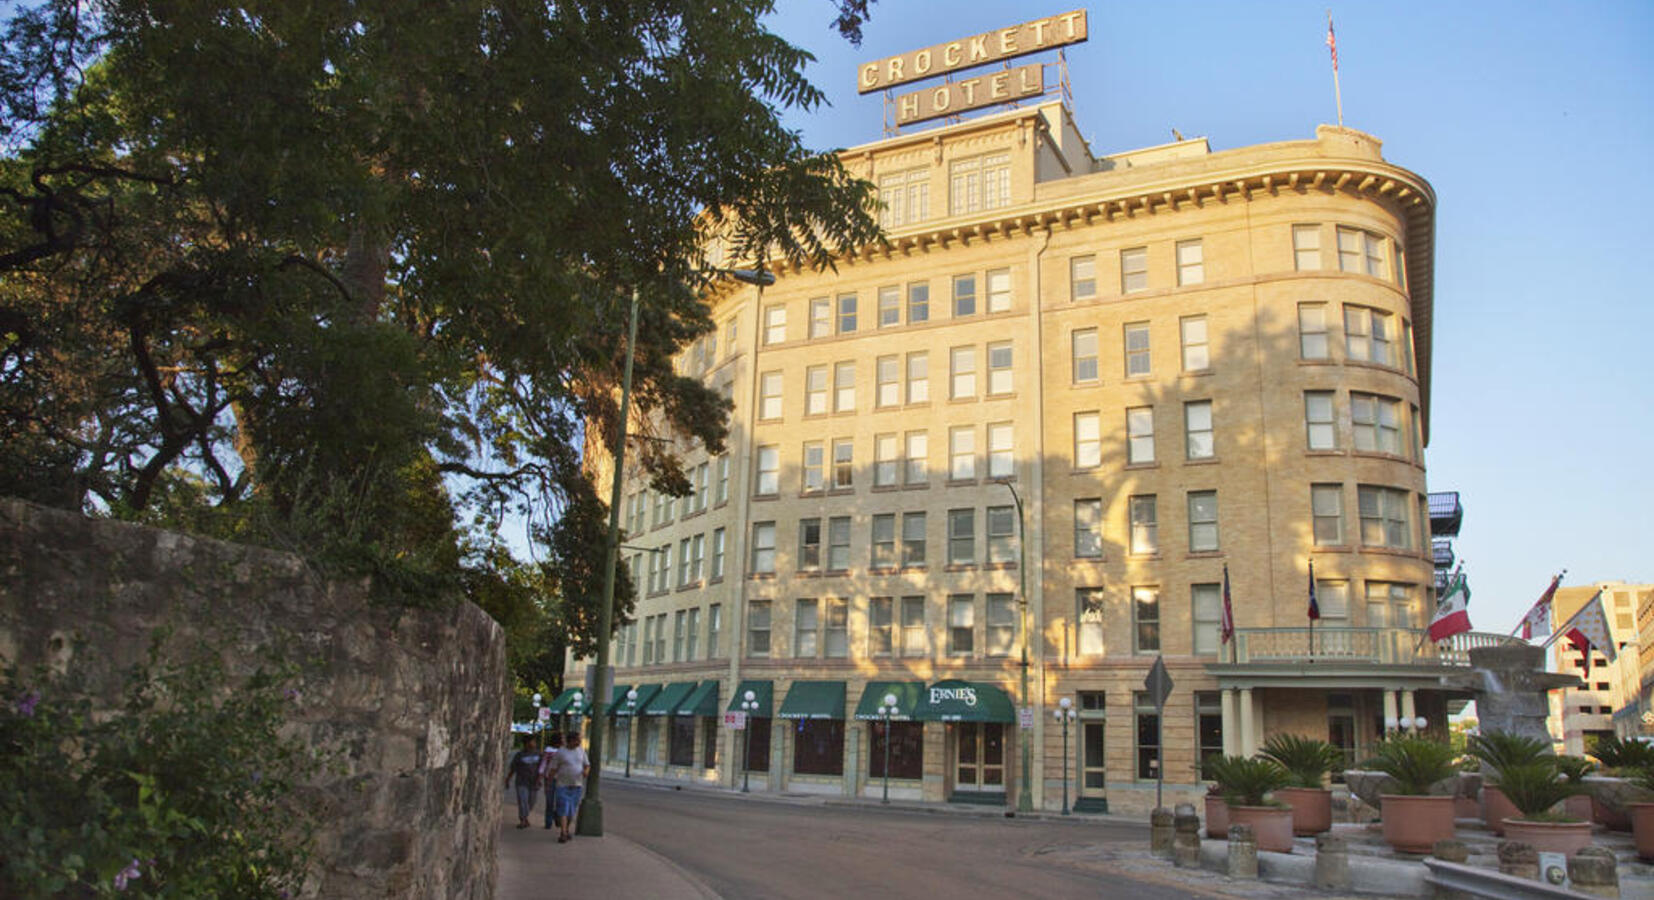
(1642, 826)
(1311, 809)
(1579, 807)
(1217, 816)
(1611, 798)
(1496, 808)
(1414, 824)
(1550, 837)
(1272, 825)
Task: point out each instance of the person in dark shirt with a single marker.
(525, 768)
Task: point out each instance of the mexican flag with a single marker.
(1453, 612)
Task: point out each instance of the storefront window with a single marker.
(681, 744)
(818, 747)
(907, 750)
(1148, 737)
(709, 742)
(758, 744)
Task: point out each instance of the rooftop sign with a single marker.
(970, 93)
(993, 46)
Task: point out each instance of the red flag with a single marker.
(1539, 616)
(1332, 43)
(1227, 627)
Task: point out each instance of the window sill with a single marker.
(920, 486)
(1088, 383)
(1144, 378)
(1089, 560)
(998, 566)
(1203, 461)
(959, 567)
(1145, 557)
(810, 492)
(959, 401)
(1198, 373)
(760, 576)
(712, 581)
(693, 585)
(1318, 361)
(1333, 452)
(696, 514)
(1332, 548)
(840, 491)
(761, 498)
(1203, 554)
(1141, 465)
(883, 570)
(961, 482)
(1008, 395)
(885, 488)
(806, 573)
(1380, 454)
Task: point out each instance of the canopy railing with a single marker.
(1388, 646)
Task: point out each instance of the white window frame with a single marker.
(768, 469)
(1321, 420)
(1088, 440)
(1306, 247)
(1203, 522)
(1084, 368)
(844, 386)
(918, 377)
(1082, 278)
(962, 373)
(1088, 528)
(1199, 432)
(998, 284)
(888, 380)
(962, 453)
(1001, 450)
(1314, 340)
(1197, 349)
(1134, 270)
(769, 396)
(1139, 435)
(1326, 510)
(1139, 364)
(1191, 264)
(815, 391)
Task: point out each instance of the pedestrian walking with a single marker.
(569, 767)
(525, 768)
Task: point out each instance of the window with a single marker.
(1384, 517)
(1197, 355)
(1306, 247)
(1002, 534)
(815, 391)
(999, 368)
(918, 457)
(809, 545)
(961, 537)
(1207, 610)
(1082, 278)
(1326, 502)
(964, 295)
(678, 635)
(913, 627)
(905, 197)
(906, 749)
(918, 302)
(758, 744)
(846, 313)
(962, 453)
(1084, 355)
(1000, 454)
(722, 494)
(1389, 605)
(886, 460)
(844, 386)
(1367, 336)
(982, 182)
(815, 466)
(961, 625)
(758, 628)
(769, 471)
(763, 547)
(1407, 345)
(697, 557)
(999, 290)
(821, 317)
(1140, 435)
(884, 541)
(818, 746)
(709, 742)
(1088, 441)
(838, 543)
(1203, 521)
(913, 539)
(1148, 736)
(1361, 251)
(1002, 624)
(1319, 423)
(1334, 600)
(1145, 526)
(880, 627)
(1375, 423)
(714, 628)
(888, 373)
(1137, 349)
(836, 642)
(890, 306)
(1089, 609)
(775, 324)
(1088, 528)
(1197, 430)
(769, 395)
(1191, 267)
(648, 640)
(918, 377)
(844, 468)
(1208, 724)
(730, 331)
(1134, 269)
(806, 628)
(1145, 619)
(1312, 331)
(964, 372)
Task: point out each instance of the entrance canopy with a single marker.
(966, 701)
(814, 700)
(666, 702)
(763, 693)
(703, 701)
(908, 694)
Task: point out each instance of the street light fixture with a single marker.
(749, 706)
(631, 710)
(887, 710)
(1064, 714)
(575, 703)
(539, 722)
(1025, 796)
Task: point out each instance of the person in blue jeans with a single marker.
(524, 767)
(568, 768)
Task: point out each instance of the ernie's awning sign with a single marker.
(979, 50)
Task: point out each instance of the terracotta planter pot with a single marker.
(1550, 837)
(1415, 824)
(1611, 798)
(1271, 824)
(1467, 808)
(1579, 807)
(1496, 808)
(1311, 809)
(1217, 816)
(1611, 817)
(1642, 825)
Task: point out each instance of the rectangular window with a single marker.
(999, 290)
(1088, 528)
(1407, 345)
(1088, 441)
(769, 395)
(1375, 255)
(982, 182)
(961, 625)
(1384, 517)
(1326, 503)
(884, 541)
(913, 539)
(1145, 525)
(769, 471)
(818, 746)
(880, 627)
(806, 628)
(1198, 441)
(1203, 521)
(697, 557)
(1148, 736)
(1351, 257)
(763, 547)
(709, 742)
(1375, 423)
(1367, 336)
(914, 643)
(1208, 724)
(904, 197)
(1002, 525)
(1207, 614)
(758, 744)
(963, 368)
(1191, 266)
(962, 453)
(1140, 435)
(1085, 355)
(961, 537)
(890, 306)
(1000, 453)
(1312, 331)
(964, 296)
(905, 750)
(999, 368)
(1082, 278)
(917, 457)
(775, 324)
(1089, 611)
(1334, 599)
(758, 628)
(1002, 624)
(836, 641)
(1137, 350)
(844, 386)
(918, 377)
(838, 543)
(679, 633)
(1319, 423)
(821, 317)
(1306, 247)
(888, 373)
(886, 460)
(722, 495)
(809, 545)
(844, 468)
(1134, 269)
(918, 302)
(846, 313)
(714, 628)
(1197, 355)
(815, 391)
(1145, 619)
(815, 466)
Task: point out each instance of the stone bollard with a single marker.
(1160, 832)
(1594, 871)
(1186, 838)
(1519, 859)
(1454, 852)
(1243, 852)
(1332, 862)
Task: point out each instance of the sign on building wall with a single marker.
(972, 93)
(979, 50)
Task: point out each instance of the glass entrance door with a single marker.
(979, 757)
(1093, 779)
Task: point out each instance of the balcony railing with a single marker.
(1446, 515)
(1384, 646)
(1441, 553)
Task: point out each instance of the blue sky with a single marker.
(1535, 124)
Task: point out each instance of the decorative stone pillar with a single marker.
(1243, 852)
(1519, 859)
(1407, 711)
(1231, 724)
(1160, 832)
(1594, 871)
(1452, 851)
(1332, 862)
(1248, 724)
(1186, 837)
(1390, 711)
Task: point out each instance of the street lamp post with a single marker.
(749, 705)
(538, 722)
(631, 710)
(887, 710)
(1064, 714)
(1025, 796)
(575, 702)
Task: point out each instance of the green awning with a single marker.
(763, 693)
(561, 704)
(666, 702)
(908, 694)
(618, 700)
(814, 700)
(645, 693)
(703, 701)
(966, 701)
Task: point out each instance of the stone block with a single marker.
(1332, 862)
(1595, 871)
(1518, 859)
(1243, 852)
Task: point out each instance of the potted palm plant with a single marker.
(1612, 792)
(1247, 784)
(1418, 813)
(1217, 811)
(1307, 762)
(1535, 788)
(1498, 750)
(1642, 814)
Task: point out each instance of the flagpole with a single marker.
(1549, 593)
(1337, 93)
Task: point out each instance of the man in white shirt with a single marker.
(566, 770)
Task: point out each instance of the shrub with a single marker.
(1307, 760)
(1535, 786)
(1575, 768)
(1246, 781)
(1499, 750)
(1416, 763)
(1616, 753)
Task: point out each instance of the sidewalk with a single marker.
(533, 865)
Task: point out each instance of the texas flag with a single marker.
(1453, 612)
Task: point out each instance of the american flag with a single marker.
(1314, 607)
(1332, 43)
(1227, 627)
